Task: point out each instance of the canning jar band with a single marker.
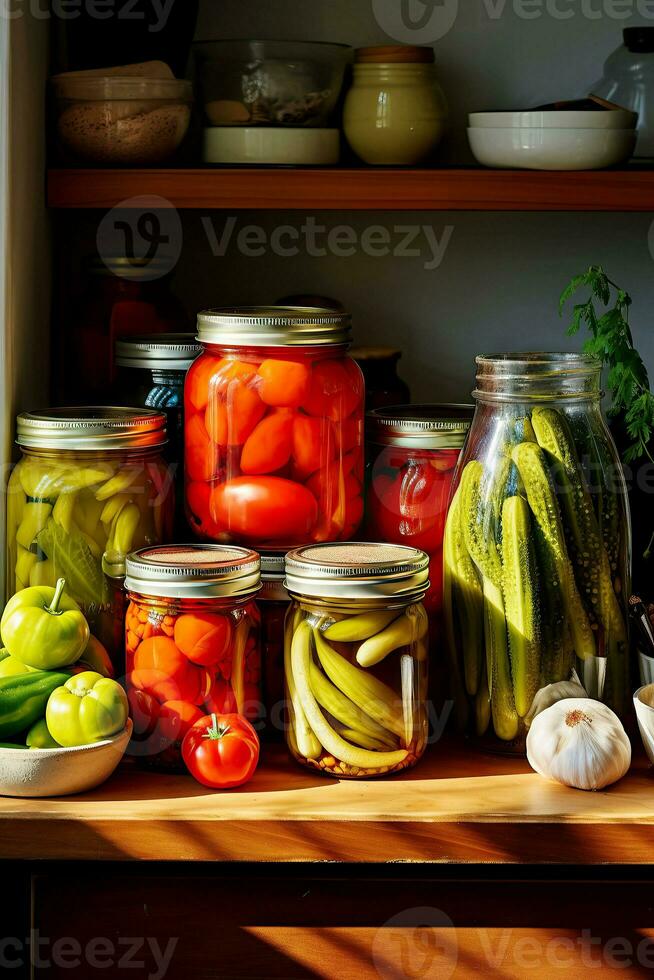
(538, 376)
(357, 570)
(282, 326)
(169, 352)
(194, 572)
(91, 428)
(420, 426)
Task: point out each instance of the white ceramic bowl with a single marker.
(60, 772)
(644, 705)
(555, 119)
(552, 149)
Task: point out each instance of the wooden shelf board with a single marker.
(356, 189)
(456, 806)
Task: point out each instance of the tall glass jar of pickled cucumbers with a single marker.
(90, 487)
(537, 546)
(355, 657)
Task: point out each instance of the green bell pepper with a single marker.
(23, 699)
(44, 628)
(87, 708)
(39, 736)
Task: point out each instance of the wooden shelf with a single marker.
(358, 189)
(456, 806)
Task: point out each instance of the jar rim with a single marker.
(533, 375)
(170, 351)
(358, 570)
(91, 428)
(193, 571)
(274, 326)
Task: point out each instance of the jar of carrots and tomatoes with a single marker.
(192, 643)
(274, 417)
(412, 453)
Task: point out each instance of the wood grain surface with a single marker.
(357, 189)
(457, 805)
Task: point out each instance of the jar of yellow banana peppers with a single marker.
(355, 657)
(90, 487)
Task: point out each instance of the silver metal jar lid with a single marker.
(162, 352)
(91, 428)
(193, 571)
(420, 426)
(358, 570)
(274, 326)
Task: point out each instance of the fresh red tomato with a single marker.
(221, 751)
(265, 508)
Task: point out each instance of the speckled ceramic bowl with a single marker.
(61, 772)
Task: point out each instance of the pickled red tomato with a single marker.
(230, 420)
(201, 458)
(198, 382)
(204, 638)
(314, 444)
(411, 506)
(175, 719)
(198, 501)
(269, 445)
(283, 383)
(265, 508)
(336, 390)
(164, 672)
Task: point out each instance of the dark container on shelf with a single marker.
(383, 384)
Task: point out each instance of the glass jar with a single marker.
(151, 372)
(383, 384)
(191, 642)
(356, 658)
(395, 113)
(123, 298)
(537, 546)
(412, 453)
(274, 428)
(91, 485)
(273, 604)
(628, 81)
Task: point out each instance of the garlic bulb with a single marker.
(555, 692)
(579, 742)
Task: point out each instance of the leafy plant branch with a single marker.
(612, 342)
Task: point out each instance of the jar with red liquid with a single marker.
(273, 602)
(413, 451)
(192, 643)
(274, 411)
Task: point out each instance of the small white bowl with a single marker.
(60, 772)
(555, 119)
(644, 705)
(552, 149)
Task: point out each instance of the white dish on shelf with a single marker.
(63, 771)
(555, 119)
(644, 705)
(552, 149)
(271, 145)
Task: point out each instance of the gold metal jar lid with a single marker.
(420, 426)
(194, 571)
(274, 326)
(358, 570)
(91, 428)
(158, 352)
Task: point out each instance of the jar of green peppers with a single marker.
(537, 546)
(90, 487)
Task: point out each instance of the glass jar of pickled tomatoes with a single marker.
(274, 413)
(356, 658)
(192, 643)
(273, 602)
(412, 453)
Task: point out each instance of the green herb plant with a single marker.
(612, 342)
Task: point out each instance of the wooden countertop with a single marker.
(456, 806)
